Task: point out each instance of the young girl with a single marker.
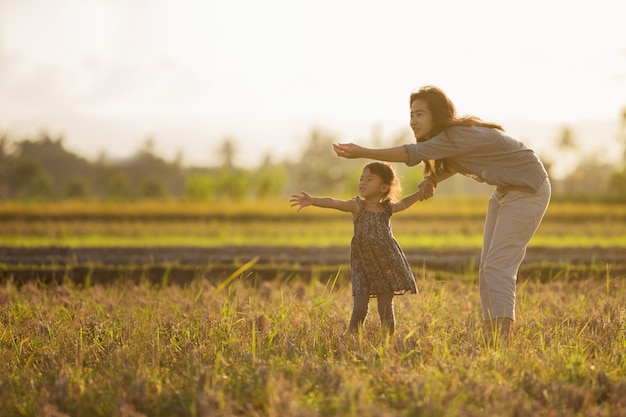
(448, 144)
(378, 266)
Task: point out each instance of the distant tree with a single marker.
(118, 186)
(145, 166)
(102, 171)
(152, 189)
(590, 178)
(617, 187)
(178, 159)
(5, 162)
(269, 179)
(227, 152)
(232, 184)
(567, 144)
(76, 188)
(51, 156)
(318, 170)
(148, 146)
(29, 181)
(199, 187)
(566, 139)
(617, 183)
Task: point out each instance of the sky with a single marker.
(108, 74)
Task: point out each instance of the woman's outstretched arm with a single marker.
(352, 151)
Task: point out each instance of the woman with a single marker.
(449, 144)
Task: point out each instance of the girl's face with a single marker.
(371, 185)
(421, 119)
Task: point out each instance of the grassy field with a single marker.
(245, 346)
(280, 349)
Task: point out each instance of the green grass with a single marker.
(409, 233)
(429, 232)
(438, 224)
(279, 348)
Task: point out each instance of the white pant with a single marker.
(512, 219)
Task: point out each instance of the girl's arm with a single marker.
(351, 151)
(407, 201)
(305, 199)
(425, 190)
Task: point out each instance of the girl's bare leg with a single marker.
(359, 312)
(386, 313)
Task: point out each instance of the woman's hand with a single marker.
(426, 188)
(348, 150)
(302, 200)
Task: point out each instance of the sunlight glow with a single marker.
(107, 73)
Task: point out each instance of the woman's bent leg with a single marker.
(489, 228)
(517, 217)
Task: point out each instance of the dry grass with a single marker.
(279, 348)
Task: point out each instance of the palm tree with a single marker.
(227, 152)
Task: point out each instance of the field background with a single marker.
(166, 308)
(443, 222)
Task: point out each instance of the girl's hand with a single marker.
(426, 188)
(302, 200)
(348, 150)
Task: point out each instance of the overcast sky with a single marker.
(106, 74)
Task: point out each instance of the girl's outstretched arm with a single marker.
(305, 199)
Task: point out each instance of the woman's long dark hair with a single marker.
(444, 116)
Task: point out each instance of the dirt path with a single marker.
(183, 264)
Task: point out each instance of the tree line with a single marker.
(43, 169)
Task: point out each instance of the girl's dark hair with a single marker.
(389, 177)
(444, 116)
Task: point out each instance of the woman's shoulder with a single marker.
(468, 129)
(472, 133)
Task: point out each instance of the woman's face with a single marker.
(421, 119)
